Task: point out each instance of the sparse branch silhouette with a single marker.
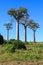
(34, 26)
(8, 27)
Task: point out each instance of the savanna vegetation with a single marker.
(19, 51)
(16, 50)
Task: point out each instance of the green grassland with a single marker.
(32, 53)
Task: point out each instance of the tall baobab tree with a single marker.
(24, 22)
(17, 14)
(8, 27)
(34, 26)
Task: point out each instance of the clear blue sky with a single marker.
(35, 10)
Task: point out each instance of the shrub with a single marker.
(11, 41)
(9, 48)
(19, 45)
(1, 39)
(5, 41)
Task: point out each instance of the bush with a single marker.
(5, 41)
(12, 45)
(19, 45)
(9, 48)
(11, 41)
(1, 39)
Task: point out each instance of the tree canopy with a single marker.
(17, 13)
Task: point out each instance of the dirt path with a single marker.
(21, 63)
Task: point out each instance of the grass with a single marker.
(34, 53)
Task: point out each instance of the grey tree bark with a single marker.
(25, 37)
(7, 34)
(34, 38)
(17, 30)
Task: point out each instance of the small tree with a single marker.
(34, 26)
(1, 39)
(8, 27)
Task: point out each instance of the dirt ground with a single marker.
(21, 63)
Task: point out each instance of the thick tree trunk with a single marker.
(17, 30)
(25, 34)
(34, 39)
(7, 34)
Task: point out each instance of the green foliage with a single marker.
(1, 39)
(11, 41)
(17, 13)
(19, 45)
(12, 45)
(9, 48)
(33, 25)
(33, 53)
(5, 41)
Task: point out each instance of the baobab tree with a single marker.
(17, 14)
(8, 27)
(24, 21)
(34, 26)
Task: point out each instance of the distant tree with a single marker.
(24, 22)
(34, 26)
(1, 39)
(8, 27)
(17, 14)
